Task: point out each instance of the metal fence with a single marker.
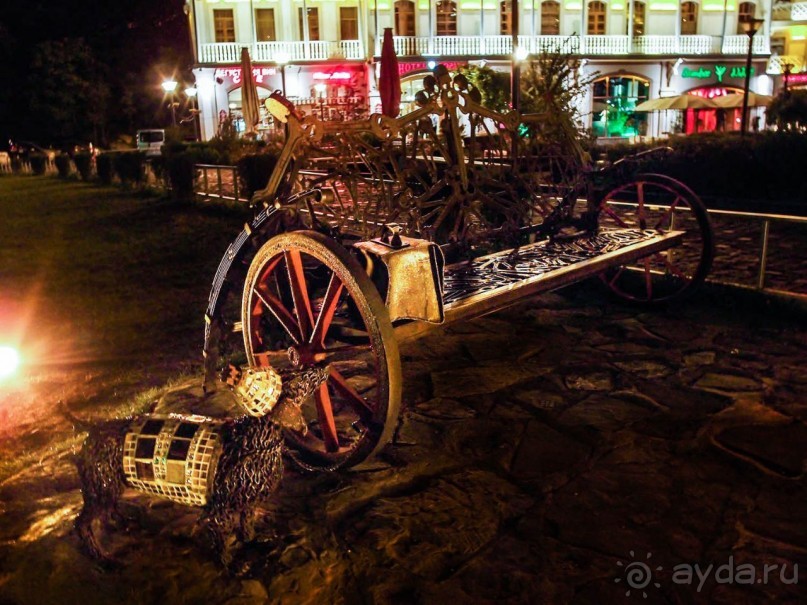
(218, 183)
(753, 250)
(760, 251)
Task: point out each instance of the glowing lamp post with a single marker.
(750, 27)
(281, 58)
(170, 86)
(191, 92)
(320, 88)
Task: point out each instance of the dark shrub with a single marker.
(130, 166)
(729, 166)
(63, 165)
(83, 162)
(103, 166)
(181, 169)
(254, 172)
(39, 161)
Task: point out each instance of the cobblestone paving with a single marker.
(541, 452)
(738, 243)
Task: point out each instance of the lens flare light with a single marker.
(9, 361)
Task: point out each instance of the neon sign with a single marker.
(234, 73)
(704, 73)
(405, 68)
(337, 75)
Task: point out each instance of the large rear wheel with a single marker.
(661, 204)
(308, 301)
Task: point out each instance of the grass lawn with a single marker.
(106, 283)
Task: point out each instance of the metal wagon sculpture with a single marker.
(370, 232)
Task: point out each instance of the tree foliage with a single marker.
(553, 85)
(66, 92)
(789, 110)
(494, 85)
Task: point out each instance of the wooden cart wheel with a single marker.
(662, 204)
(306, 301)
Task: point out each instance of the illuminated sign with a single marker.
(704, 73)
(337, 75)
(796, 79)
(405, 68)
(234, 73)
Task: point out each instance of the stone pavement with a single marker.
(543, 454)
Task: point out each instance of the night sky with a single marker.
(69, 62)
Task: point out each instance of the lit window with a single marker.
(689, 18)
(505, 18)
(404, 18)
(615, 99)
(550, 18)
(747, 11)
(446, 18)
(638, 18)
(313, 22)
(265, 24)
(224, 24)
(596, 18)
(349, 22)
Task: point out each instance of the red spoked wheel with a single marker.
(308, 301)
(662, 204)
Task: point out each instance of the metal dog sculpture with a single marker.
(225, 466)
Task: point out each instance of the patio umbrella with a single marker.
(389, 81)
(249, 93)
(732, 101)
(684, 101)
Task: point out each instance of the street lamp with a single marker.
(191, 92)
(281, 58)
(170, 86)
(750, 27)
(788, 68)
(320, 88)
(515, 74)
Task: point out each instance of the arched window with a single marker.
(689, 18)
(638, 18)
(446, 18)
(506, 18)
(614, 102)
(747, 10)
(596, 18)
(404, 18)
(550, 18)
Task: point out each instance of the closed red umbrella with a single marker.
(249, 94)
(389, 81)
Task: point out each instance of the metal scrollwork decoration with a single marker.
(451, 171)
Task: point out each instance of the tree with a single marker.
(789, 110)
(67, 93)
(494, 86)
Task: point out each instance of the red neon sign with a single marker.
(234, 73)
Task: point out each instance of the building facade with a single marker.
(324, 53)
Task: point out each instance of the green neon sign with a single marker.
(704, 73)
(701, 73)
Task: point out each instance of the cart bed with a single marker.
(491, 282)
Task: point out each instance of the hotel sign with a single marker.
(719, 71)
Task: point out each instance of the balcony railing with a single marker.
(230, 52)
(776, 65)
(798, 11)
(487, 46)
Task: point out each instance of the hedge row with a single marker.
(177, 165)
(765, 167)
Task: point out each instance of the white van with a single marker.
(151, 140)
